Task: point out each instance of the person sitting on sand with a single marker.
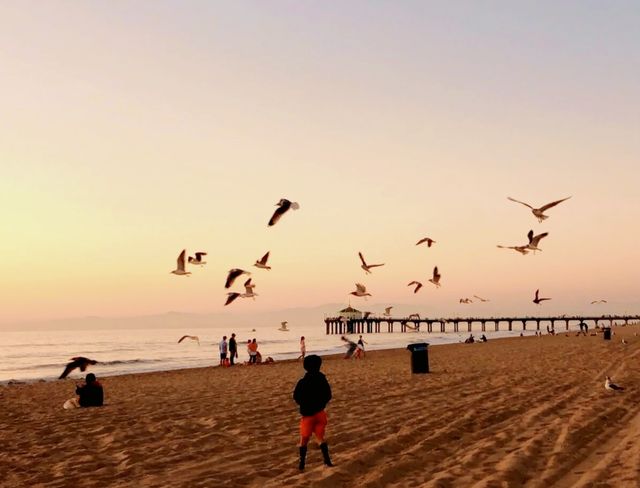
(312, 393)
(483, 338)
(90, 394)
(469, 340)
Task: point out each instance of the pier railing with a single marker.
(374, 325)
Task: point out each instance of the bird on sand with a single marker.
(436, 277)
(539, 212)
(262, 263)
(233, 274)
(367, 267)
(387, 311)
(180, 267)
(248, 290)
(481, 299)
(598, 301)
(610, 385)
(521, 249)
(361, 291)
(428, 240)
(283, 206)
(283, 326)
(198, 259)
(534, 240)
(193, 338)
(231, 297)
(417, 284)
(77, 362)
(537, 299)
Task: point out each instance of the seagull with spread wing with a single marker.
(233, 274)
(262, 263)
(539, 212)
(537, 300)
(521, 249)
(481, 299)
(231, 296)
(428, 240)
(417, 284)
(361, 291)
(193, 338)
(534, 240)
(598, 301)
(610, 385)
(387, 311)
(180, 270)
(248, 290)
(77, 362)
(436, 277)
(198, 259)
(367, 267)
(283, 207)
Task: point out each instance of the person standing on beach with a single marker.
(252, 348)
(303, 348)
(233, 349)
(360, 351)
(223, 350)
(312, 393)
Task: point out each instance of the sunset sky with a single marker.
(132, 130)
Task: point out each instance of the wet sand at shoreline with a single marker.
(511, 412)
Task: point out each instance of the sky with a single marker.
(132, 130)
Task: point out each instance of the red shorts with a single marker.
(314, 424)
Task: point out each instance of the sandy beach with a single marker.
(512, 412)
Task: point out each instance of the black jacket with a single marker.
(312, 393)
(91, 395)
(233, 346)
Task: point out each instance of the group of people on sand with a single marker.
(471, 339)
(229, 352)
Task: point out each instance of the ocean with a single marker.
(31, 355)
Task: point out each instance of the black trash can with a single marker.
(606, 332)
(419, 357)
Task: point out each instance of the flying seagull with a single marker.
(248, 290)
(534, 240)
(193, 338)
(180, 269)
(428, 240)
(262, 263)
(537, 299)
(610, 385)
(598, 301)
(418, 286)
(466, 300)
(521, 249)
(366, 315)
(77, 362)
(539, 212)
(283, 326)
(436, 277)
(233, 274)
(387, 311)
(361, 291)
(481, 299)
(283, 206)
(367, 267)
(198, 259)
(231, 297)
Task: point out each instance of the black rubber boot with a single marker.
(325, 454)
(303, 456)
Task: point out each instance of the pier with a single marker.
(376, 325)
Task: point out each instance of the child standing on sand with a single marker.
(303, 348)
(313, 393)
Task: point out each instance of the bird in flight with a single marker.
(77, 362)
(233, 274)
(537, 299)
(387, 311)
(231, 297)
(428, 240)
(367, 267)
(417, 284)
(534, 240)
(521, 249)
(193, 338)
(283, 207)
(466, 300)
(180, 271)
(610, 385)
(262, 263)
(248, 290)
(366, 315)
(361, 291)
(198, 259)
(481, 299)
(283, 326)
(436, 277)
(598, 301)
(539, 212)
